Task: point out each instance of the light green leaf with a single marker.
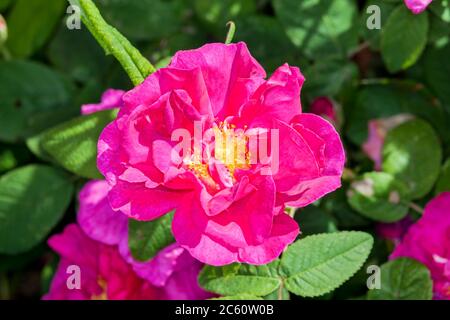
(412, 153)
(236, 279)
(319, 27)
(113, 42)
(379, 196)
(73, 144)
(31, 23)
(147, 238)
(403, 38)
(319, 264)
(32, 200)
(403, 279)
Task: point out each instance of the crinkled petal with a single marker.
(96, 217)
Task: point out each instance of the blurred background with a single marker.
(48, 71)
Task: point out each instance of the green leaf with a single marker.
(4, 4)
(239, 297)
(379, 196)
(387, 98)
(147, 238)
(412, 153)
(73, 144)
(327, 77)
(236, 279)
(266, 41)
(32, 98)
(403, 279)
(441, 8)
(113, 42)
(318, 27)
(77, 54)
(373, 36)
(30, 25)
(403, 38)
(443, 184)
(336, 204)
(319, 264)
(314, 220)
(437, 72)
(142, 20)
(214, 14)
(32, 200)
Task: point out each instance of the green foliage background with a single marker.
(47, 71)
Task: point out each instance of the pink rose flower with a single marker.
(428, 241)
(226, 211)
(417, 6)
(173, 268)
(104, 274)
(99, 246)
(325, 107)
(394, 231)
(111, 99)
(378, 129)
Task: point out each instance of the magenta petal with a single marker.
(329, 157)
(111, 99)
(141, 203)
(428, 241)
(278, 97)
(284, 232)
(230, 73)
(96, 217)
(417, 6)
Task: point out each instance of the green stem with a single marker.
(416, 207)
(113, 42)
(231, 31)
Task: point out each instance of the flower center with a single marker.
(103, 295)
(225, 145)
(230, 147)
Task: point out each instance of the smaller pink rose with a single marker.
(326, 108)
(378, 129)
(428, 241)
(111, 99)
(417, 6)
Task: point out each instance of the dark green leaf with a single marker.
(147, 238)
(379, 196)
(73, 144)
(32, 200)
(412, 153)
(32, 98)
(320, 27)
(403, 38)
(319, 264)
(403, 279)
(236, 279)
(443, 183)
